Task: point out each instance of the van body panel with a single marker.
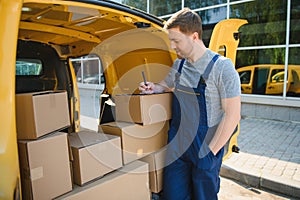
(225, 37)
(9, 166)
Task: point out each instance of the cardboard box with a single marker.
(45, 167)
(94, 155)
(41, 113)
(137, 140)
(131, 182)
(143, 109)
(156, 163)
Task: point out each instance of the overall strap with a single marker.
(177, 75)
(180, 66)
(210, 66)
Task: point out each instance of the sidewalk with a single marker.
(269, 156)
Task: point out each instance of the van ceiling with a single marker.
(74, 28)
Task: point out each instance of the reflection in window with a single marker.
(164, 7)
(245, 76)
(294, 66)
(194, 4)
(277, 75)
(209, 19)
(294, 56)
(139, 4)
(295, 22)
(268, 63)
(293, 81)
(267, 22)
(260, 56)
(88, 70)
(28, 67)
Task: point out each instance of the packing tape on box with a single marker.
(36, 173)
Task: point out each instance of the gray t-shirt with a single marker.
(223, 82)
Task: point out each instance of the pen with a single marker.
(144, 78)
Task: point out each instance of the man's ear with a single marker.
(195, 36)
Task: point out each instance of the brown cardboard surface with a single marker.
(137, 140)
(40, 113)
(131, 182)
(156, 162)
(45, 167)
(143, 109)
(94, 155)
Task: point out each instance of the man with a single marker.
(205, 109)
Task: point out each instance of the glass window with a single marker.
(194, 4)
(164, 7)
(268, 71)
(293, 86)
(294, 56)
(294, 72)
(88, 70)
(260, 56)
(209, 19)
(266, 22)
(295, 22)
(139, 4)
(29, 67)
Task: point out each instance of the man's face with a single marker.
(180, 42)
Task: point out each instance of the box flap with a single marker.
(88, 138)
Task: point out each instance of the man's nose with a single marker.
(172, 45)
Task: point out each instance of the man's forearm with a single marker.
(227, 125)
(161, 87)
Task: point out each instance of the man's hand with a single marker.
(147, 88)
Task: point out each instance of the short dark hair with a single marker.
(187, 21)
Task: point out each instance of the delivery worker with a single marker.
(205, 111)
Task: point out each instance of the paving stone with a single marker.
(269, 156)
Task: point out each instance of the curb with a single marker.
(262, 181)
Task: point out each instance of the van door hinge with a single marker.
(75, 99)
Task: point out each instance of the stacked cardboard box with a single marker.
(94, 155)
(77, 165)
(131, 182)
(156, 163)
(43, 151)
(45, 167)
(142, 122)
(143, 109)
(41, 113)
(137, 140)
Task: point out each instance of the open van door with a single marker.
(9, 166)
(225, 40)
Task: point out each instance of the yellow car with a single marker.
(269, 79)
(40, 37)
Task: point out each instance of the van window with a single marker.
(245, 76)
(88, 70)
(260, 80)
(277, 75)
(295, 76)
(29, 67)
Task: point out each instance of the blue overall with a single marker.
(192, 170)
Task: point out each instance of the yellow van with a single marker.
(269, 79)
(39, 39)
